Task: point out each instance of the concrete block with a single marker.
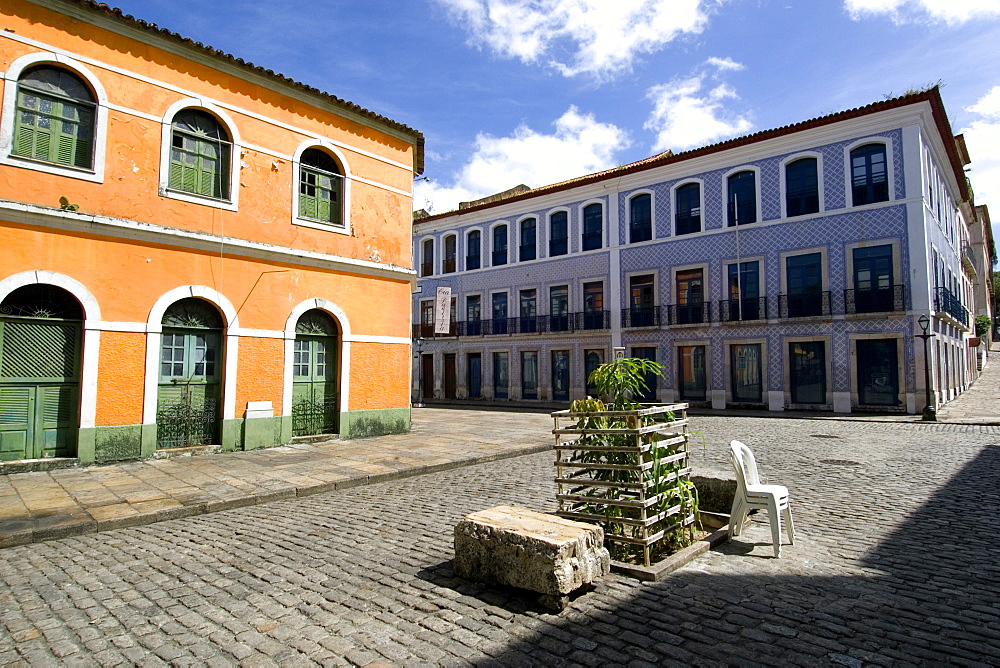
(531, 550)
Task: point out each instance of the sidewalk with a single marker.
(44, 505)
(52, 504)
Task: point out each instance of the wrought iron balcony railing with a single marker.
(804, 305)
(743, 310)
(696, 313)
(876, 300)
(426, 331)
(591, 320)
(947, 302)
(641, 317)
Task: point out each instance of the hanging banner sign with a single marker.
(442, 311)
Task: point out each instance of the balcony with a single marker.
(426, 268)
(499, 326)
(559, 323)
(449, 266)
(470, 328)
(804, 305)
(875, 301)
(591, 320)
(695, 313)
(947, 302)
(641, 317)
(969, 260)
(426, 331)
(743, 310)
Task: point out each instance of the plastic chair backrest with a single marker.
(745, 465)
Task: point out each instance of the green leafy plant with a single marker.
(622, 457)
(65, 205)
(983, 324)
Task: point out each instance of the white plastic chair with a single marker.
(750, 494)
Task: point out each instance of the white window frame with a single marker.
(465, 247)
(569, 230)
(341, 159)
(783, 181)
(419, 251)
(628, 215)
(235, 162)
(493, 226)
(604, 223)
(725, 194)
(9, 114)
(890, 163)
(521, 220)
(673, 206)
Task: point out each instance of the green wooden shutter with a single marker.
(16, 427)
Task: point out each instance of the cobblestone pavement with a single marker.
(893, 564)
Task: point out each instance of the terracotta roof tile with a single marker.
(931, 95)
(130, 20)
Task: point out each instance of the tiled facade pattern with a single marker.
(835, 231)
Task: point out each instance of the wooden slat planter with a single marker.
(625, 477)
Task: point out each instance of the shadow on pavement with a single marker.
(930, 596)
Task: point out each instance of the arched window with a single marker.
(801, 187)
(448, 263)
(499, 256)
(741, 198)
(527, 247)
(869, 176)
(320, 188)
(640, 220)
(200, 155)
(688, 203)
(427, 258)
(593, 227)
(473, 251)
(558, 234)
(55, 119)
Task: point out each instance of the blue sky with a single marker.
(537, 91)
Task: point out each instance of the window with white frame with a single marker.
(321, 186)
(200, 155)
(55, 118)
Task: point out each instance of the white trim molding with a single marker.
(7, 117)
(91, 335)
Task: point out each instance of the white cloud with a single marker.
(982, 137)
(600, 37)
(951, 12)
(689, 112)
(579, 145)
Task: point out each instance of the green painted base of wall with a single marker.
(102, 445)
(363, 424)
(261, 433)
(111, 444)
(85, 443)
(148, 440)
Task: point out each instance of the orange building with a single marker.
(195, 250)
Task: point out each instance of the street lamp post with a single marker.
(929, 413)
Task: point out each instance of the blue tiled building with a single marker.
(783, 270)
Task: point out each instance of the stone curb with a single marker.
(662, 569)
(81, 526)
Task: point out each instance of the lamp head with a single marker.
(924, 322)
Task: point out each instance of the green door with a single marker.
(188, 399)
(40, 342)
(315, 408)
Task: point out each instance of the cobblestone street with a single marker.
(893, 563)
